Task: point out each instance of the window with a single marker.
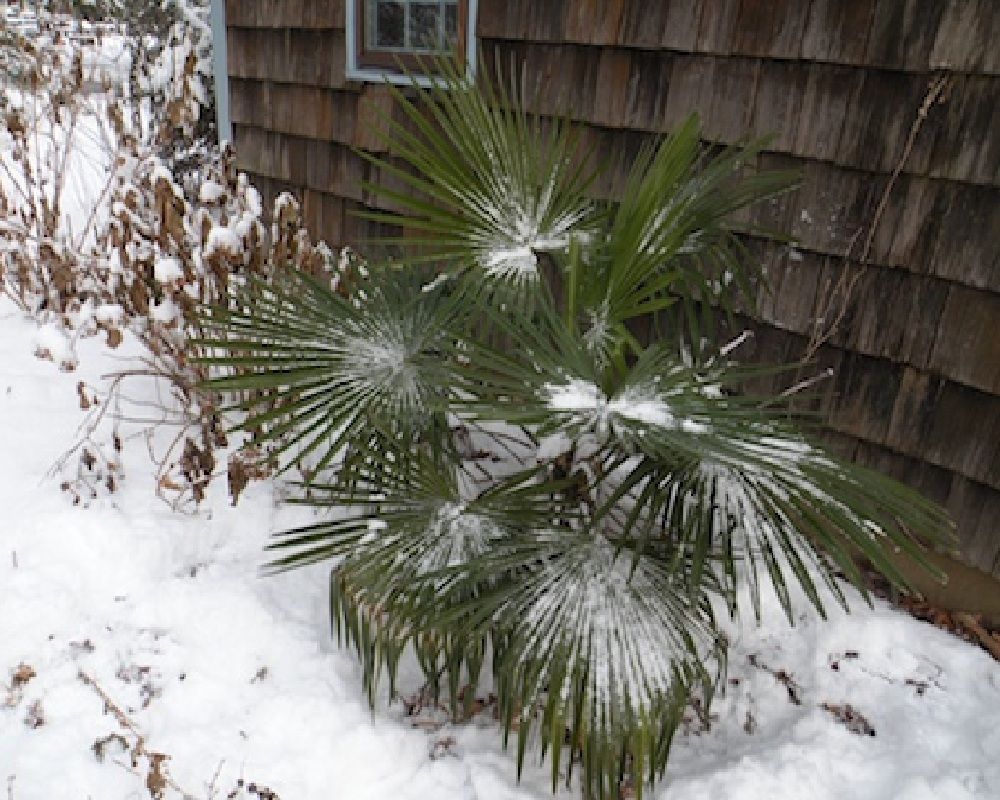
(386, 35)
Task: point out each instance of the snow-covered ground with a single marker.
(233, 676)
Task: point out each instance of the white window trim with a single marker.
(372, 75)
(217, 18)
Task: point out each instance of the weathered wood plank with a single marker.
(909, 35)
(902, 34)
(680, 25)
(876, 121)
(929, 226)
(594, 21)
(837, 31)
(886, 403)
(308, 57)
(864, 394)
(689, 90)
(615, 81)
(949, 425)
(830, 92)
(974, 506)
(646, 25)
(325, 166)
(777, 110)
(299, 110)
(730, 114)
(323, 215)
(717, 26)
(894, 315)
(285, 13)
(964, 249)
(770, 28)
(967, 145)
(967, 345)
(966, 37)
(648, 95)
(374, 108)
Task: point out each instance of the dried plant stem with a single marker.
(84, 431)
(807, 383)
(110, 705)
(985, 638)
(156, 778)
(212, 787)
(833, 307)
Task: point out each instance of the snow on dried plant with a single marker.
(119, 219)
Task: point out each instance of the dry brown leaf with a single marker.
(23, 674)
(851, 718)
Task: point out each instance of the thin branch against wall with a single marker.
(832, 308)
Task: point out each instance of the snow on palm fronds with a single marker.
(527, 479)
(376, 361)
(495, 205)
(587, 407)
(614, 618)
(518, 228)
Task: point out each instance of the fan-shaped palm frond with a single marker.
(320, 371)
(671, 240)
(403, 530)
(771, 505)
(669, 450)
(486, 184)
(595, 644)
(512, 471)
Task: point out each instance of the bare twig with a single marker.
(834, 306)
(84, 433)
(212, 788)
(808, 383)
(985, 638)
(156, 777)
(110, 705)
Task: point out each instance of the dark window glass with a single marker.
(451, 23)
(392, 34)
(389, 24)
(424, 33)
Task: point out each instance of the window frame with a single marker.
(382, 66)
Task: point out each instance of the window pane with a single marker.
(388, 27)
(451, 23)
(395, 29)
(424, 34)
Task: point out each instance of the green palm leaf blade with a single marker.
(776, 507)
(670, 238)
(401, 534)
(488, 185)
(666, 450)
(508, 478)
(315, 370)
(591, 641)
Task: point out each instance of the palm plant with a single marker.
(512, 478)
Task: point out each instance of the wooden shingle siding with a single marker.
(288, 14)
(278, 107)
(902, 408)
(843, 114)
(906, 35)
(838, 83)
(310, 57)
